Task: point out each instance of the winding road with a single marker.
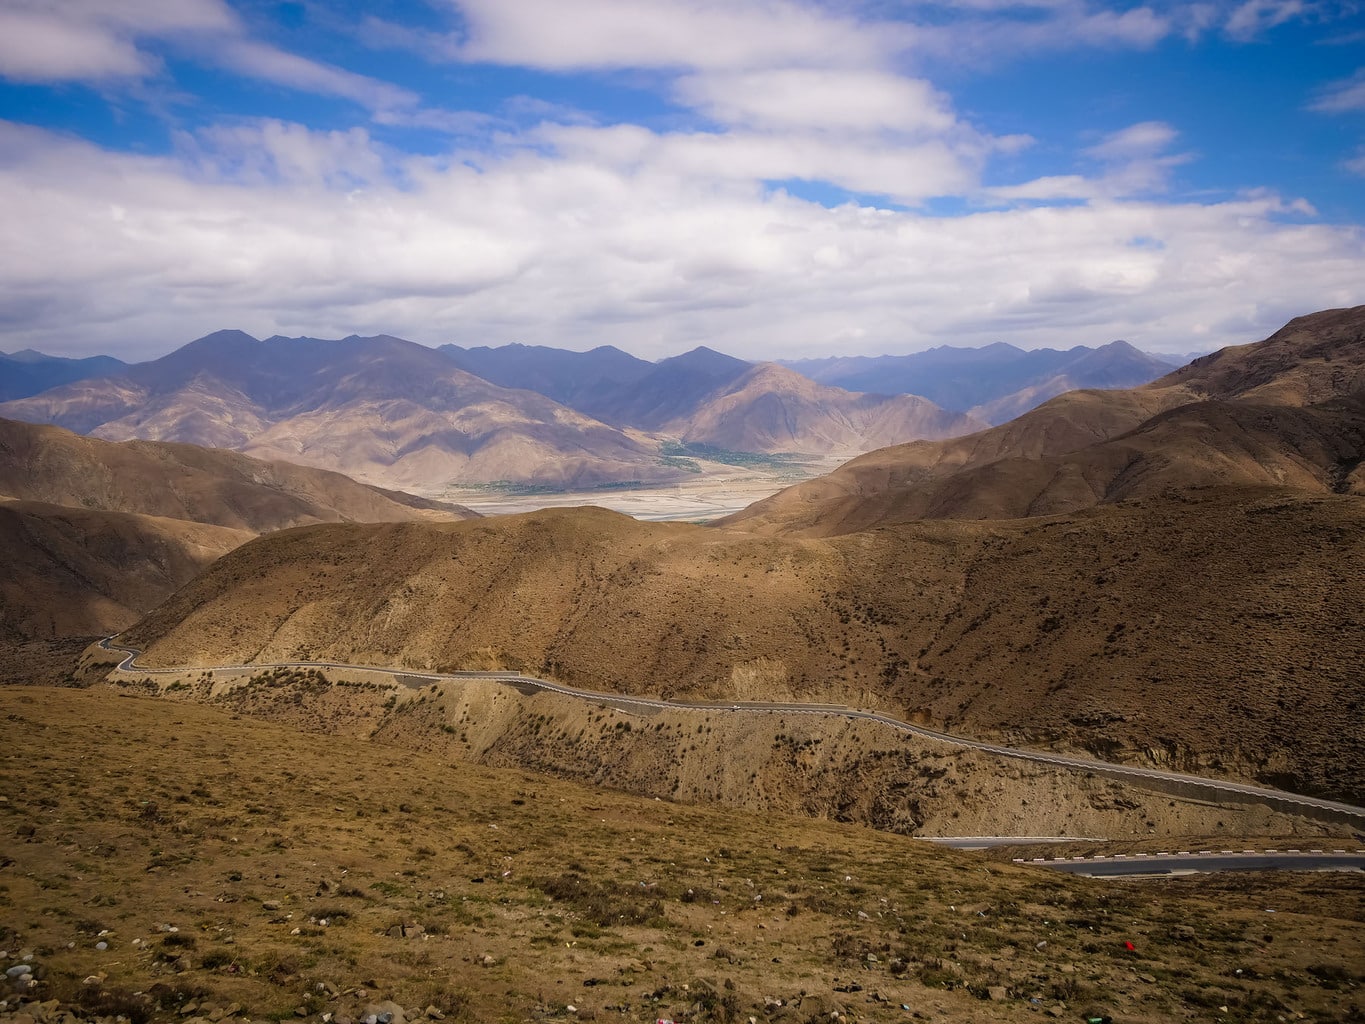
(1189, 786)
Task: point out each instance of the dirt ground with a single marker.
(174, 861)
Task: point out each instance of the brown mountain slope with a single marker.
(773, 409)
(1068, 423)
(103, 532)
(182, 481)
(1316, 449)
(88, 572)
(1056, 457)
(1311, 359)
(1222, 633)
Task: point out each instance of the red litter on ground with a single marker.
(1130, 947)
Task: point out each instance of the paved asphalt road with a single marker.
(1211, 789)
(1186, 862)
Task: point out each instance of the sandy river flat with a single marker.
(709, 497)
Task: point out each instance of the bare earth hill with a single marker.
(183, 481)
(1088, 447)
(1218, 631)
(771, 409)
(94, 534)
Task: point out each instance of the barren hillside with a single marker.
(772, 409)
(96, 534)
(182, 481)
(74, 572)
(1220, 631)
(1071, 452)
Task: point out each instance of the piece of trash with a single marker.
(1129, 946)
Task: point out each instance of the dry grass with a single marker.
(292, 865)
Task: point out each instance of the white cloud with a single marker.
(100, 40)
(1253, 17)
(258, 60)
(333, 234)
(676, 34)
(36, 47)
(1343, 96)
(827, 99)
(908, 173)
(1356, 164)
(1134, 142)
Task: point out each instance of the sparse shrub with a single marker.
(604, 903)
(115, 1002)
(216, 958)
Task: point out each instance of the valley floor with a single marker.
(718, 492)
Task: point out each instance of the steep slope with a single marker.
(73, 572)
(381, 409)
(995, 382)
(1129, 630)
(181, 481)
(673, 389)
(1056, 457)
(580, 380)
(1311, 359)
(94, 534)
(1317, 449)
(28, 372)
(772, 409)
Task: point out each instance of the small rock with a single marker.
(270, 904)
(1150, 979)
(434, 1014)
(101, 945)
(387, 1012)
(18, 970)
(997, 993)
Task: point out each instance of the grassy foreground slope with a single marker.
(1217, 632)
(235, 870)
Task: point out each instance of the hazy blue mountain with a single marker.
(28, 372)
(381, 409)
(577, 379)
(996, 382)
(606, 383)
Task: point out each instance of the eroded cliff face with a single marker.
(827, 768)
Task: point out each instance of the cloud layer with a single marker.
(810, 187)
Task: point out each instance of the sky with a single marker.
(771, 178)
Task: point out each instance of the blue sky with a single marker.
(771, 178)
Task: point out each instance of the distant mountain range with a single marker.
(995, 383)
(398, 414)
(1285, 412)
(28, 373)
